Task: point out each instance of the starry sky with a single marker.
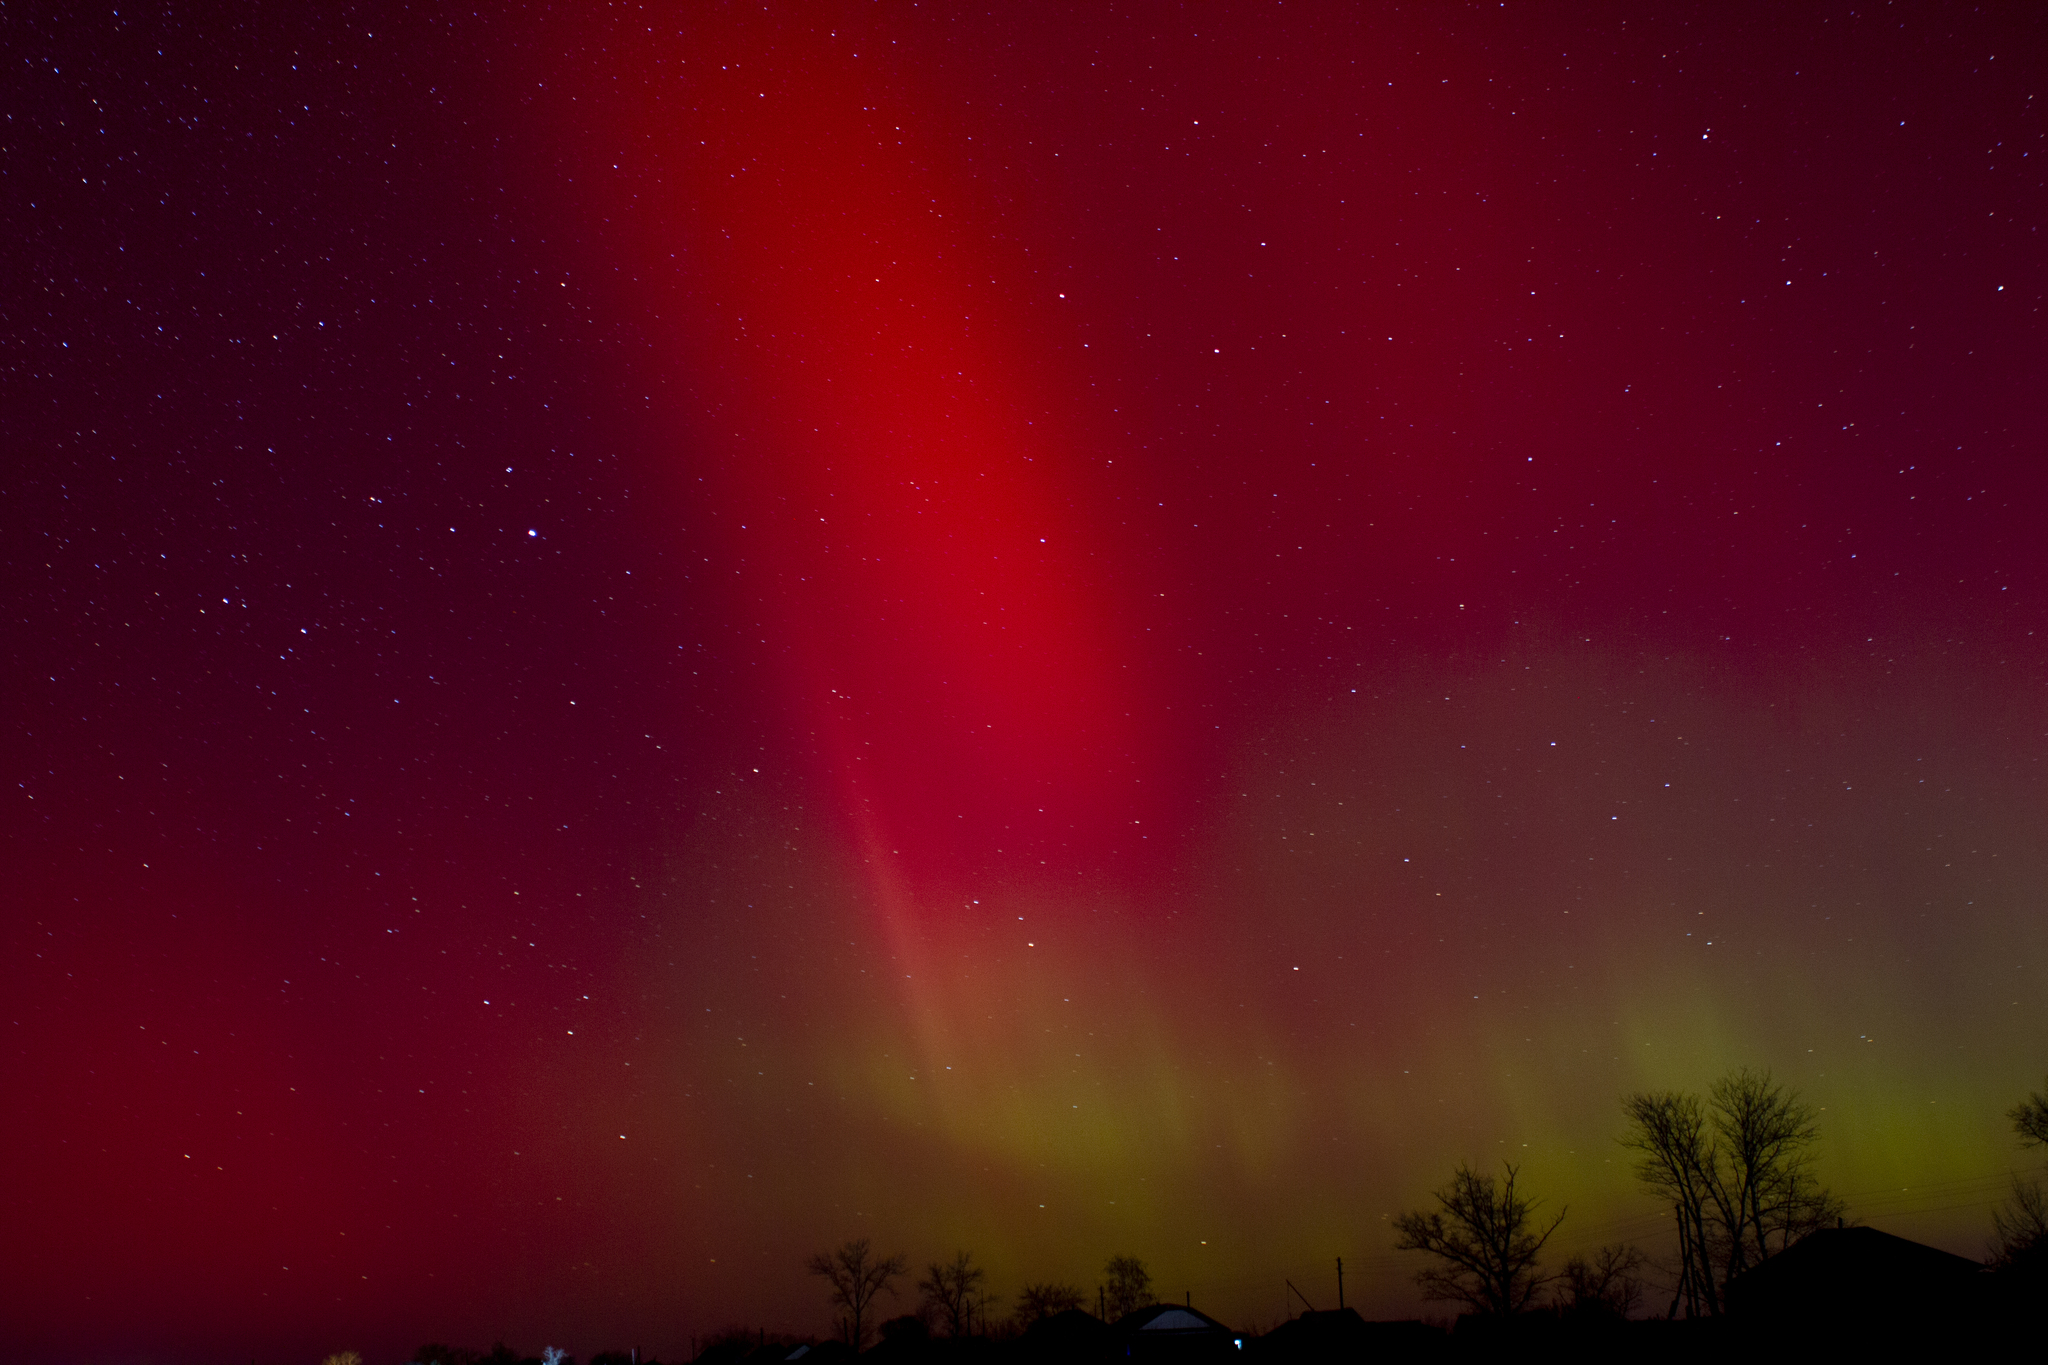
(641, 639)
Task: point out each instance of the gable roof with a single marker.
(1171, 1319)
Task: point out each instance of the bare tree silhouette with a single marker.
(857, 1275)
(2020, 1225)
(1043, 1300)
(1126, 1286)
(2030, 1120)
(1670, 1130)
(1608, 1284)
(1738, 1170)
(1485, 1240)
(951, 1289)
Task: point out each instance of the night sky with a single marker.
(638, 641)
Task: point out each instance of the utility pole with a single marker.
(1340, 1284)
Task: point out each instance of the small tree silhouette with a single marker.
(1036, 1301)
(951, 1289)
(1608, 1285)
(1485, 1243)
(856, 1275)
(1126, 1286)
(2030, 1120)
(2020, 1225)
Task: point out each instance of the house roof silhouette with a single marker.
(1171, 1318)
(1074, 1331)
(1170, 1331)
(1341, 1334)
(1857, 1272)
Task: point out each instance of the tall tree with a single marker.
(1126, 1286)
(1484, 1237)
(951, 1289)
(857, 1275)
(1669, 1129)
(1738, 1172)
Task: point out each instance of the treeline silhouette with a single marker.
(1768, 1264)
